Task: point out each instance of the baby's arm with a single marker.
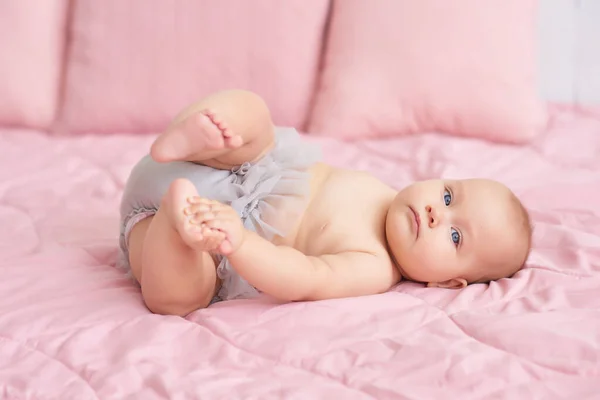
(288, 274)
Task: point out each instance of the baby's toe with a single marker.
(234, 141)
(211, 132)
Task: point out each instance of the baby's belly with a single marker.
(305, 226)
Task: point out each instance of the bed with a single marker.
(73, 326)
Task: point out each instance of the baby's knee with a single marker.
(173, 304)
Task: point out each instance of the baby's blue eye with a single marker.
(455, 236)
(447, 197)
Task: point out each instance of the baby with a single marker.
(227, 206)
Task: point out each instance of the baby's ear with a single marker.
(456, 283)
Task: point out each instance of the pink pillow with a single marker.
(134, 65)
(397, 67)
(32, 35)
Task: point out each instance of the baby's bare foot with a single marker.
(194, 139)
(220, 218)
(194, 234)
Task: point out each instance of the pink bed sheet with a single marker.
(72, 326)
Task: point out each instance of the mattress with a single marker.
(73, 326)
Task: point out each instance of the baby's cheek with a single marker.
(437, 249)
(430, 257)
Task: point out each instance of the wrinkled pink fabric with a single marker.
(74, 327)
(133, 65)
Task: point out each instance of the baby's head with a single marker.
(452, 233)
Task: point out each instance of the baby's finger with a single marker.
(213, 233)
(202, 217)
(198, 208)
(197, 228)
(207, 231)
(221, 208)
(220, 224)
(199, 200)
(225, 247)
(222, 211)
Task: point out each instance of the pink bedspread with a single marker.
(72, 326)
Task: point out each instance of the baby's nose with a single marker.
(433, 217)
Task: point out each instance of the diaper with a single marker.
(269, 195)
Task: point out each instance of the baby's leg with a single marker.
(168, 256)
(222, 130)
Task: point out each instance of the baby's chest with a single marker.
(339, 226)
(345, 215)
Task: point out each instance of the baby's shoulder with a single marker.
(350, 184)
(343, 174)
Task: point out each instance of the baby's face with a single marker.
(450, 233)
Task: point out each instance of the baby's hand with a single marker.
(217, 217)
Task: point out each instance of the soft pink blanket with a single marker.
(72, 326)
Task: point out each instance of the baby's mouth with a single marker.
(417, 220)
